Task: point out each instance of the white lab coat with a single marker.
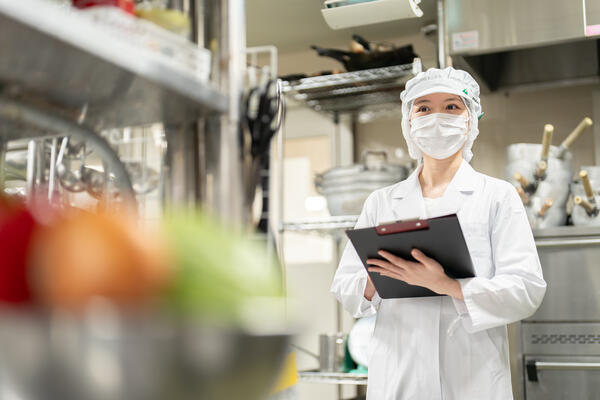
(437, 347)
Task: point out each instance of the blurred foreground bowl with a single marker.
(106, 354)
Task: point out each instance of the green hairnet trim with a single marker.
(480, 116)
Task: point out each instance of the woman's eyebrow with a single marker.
(455, 98)
(422, 101)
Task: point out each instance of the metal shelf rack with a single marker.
(60, 60)
(352, 91)
(337, 378)
(323, 226)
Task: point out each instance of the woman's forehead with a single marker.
(436, 98)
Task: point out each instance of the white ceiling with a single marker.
(293, 25)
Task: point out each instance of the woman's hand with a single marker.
(426, 272)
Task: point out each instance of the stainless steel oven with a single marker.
(559, 349)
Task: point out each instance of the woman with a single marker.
(455, 346)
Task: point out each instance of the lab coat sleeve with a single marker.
(351, 277)
(517, 288)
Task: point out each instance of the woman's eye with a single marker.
(423, 109)
(452, 107)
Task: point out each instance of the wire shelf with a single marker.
(339, 378)
(329, 225)
(351, 91)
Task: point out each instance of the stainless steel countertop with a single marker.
(567, 231)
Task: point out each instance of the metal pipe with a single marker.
(230, 184)
(52, 170)
(23, 114)
(441, 14)
(2, 164)
(31, 151)
(280, 215)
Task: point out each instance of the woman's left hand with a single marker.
(426, 272)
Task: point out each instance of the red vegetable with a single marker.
(16, 228)
(126, 5)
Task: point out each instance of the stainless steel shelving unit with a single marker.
(337, 378)
(352, 91)
(56, 58)
(99, 74)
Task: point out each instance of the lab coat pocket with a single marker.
(477, 238)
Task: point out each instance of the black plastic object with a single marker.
(369, 59)
(531, 368)
(439, 238)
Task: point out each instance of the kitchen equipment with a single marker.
(332, 352)
(542, 175)
(346, 188)
(369, 59)
(359, 340)
(586, 205)
(69, 178)
(108, 355)
(340, 14)
(560, 357)
(501, 44)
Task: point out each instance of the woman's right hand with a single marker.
(369, 289)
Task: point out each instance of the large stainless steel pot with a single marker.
(586, 208)
(523, 158)
(346, 188)
(542, 176)
(332, 351)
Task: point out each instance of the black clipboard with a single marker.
(439, 238)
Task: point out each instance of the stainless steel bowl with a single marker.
(105, 355)
(347, 188)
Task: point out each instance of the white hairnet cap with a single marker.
(447, 80)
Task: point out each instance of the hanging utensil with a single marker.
(574, 135)
(69, 179)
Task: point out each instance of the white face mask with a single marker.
(439, 135)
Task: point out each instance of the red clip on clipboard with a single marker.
(440, 238)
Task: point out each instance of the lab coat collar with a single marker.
(464, 181)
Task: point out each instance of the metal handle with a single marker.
(585, 123)
(534, 366)
(567, 242)
(365, 153)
